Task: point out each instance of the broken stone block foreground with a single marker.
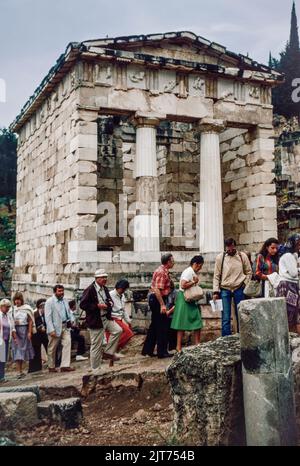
(18, 410)
(206, 385)
(207, 392)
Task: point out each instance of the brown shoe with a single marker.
(67, 369)
(52, 369)
(112, 357)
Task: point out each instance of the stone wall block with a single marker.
(238, 163)
(261, 201)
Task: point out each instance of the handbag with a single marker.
(253, 289)
(194, 293)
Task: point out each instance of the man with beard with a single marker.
(232, 273)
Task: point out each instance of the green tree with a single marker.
(289, 65)
(8, 164)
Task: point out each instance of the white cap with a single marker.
(100, 273)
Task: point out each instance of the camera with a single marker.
(69, 324)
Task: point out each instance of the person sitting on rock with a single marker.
(75, 334)
(119, 314)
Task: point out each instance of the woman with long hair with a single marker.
(289, 280)
(267, 263)
(23, 318)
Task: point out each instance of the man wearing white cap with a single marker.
(97, 304)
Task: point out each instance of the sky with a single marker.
(33, 33)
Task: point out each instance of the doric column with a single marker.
(211, 234)
(146, 223)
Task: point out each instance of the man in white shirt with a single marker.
(119, 313)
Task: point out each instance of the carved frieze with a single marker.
(168, 81)
(225, 89)
(136, 77)
(254, 92)
(104, 74)
(196, 86)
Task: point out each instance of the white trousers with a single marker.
(98, 345)
(65, 340)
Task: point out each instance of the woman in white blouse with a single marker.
(187, 315)
(23, 318)
(289, 280)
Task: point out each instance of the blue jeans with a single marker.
(226, 296)
(2, 364)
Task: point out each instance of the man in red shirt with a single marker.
(160, 289)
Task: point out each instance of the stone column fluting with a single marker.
(146, 222)
(211, 235)
(267, 373)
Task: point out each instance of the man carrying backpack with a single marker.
(232, 272)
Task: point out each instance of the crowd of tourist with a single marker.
(54, 326)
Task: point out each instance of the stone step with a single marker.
(67, 412)
(24, 389)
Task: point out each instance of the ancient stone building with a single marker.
(168, 119)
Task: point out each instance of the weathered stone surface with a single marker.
(206, 388)
(18, 410)
(27, 389)
(66, 412)
(267, 373)
(207, 392)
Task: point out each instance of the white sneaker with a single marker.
(119, 355)
(81, 358)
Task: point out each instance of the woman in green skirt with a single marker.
(187, 315)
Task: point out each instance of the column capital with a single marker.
(210, 125)
(143, 119)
